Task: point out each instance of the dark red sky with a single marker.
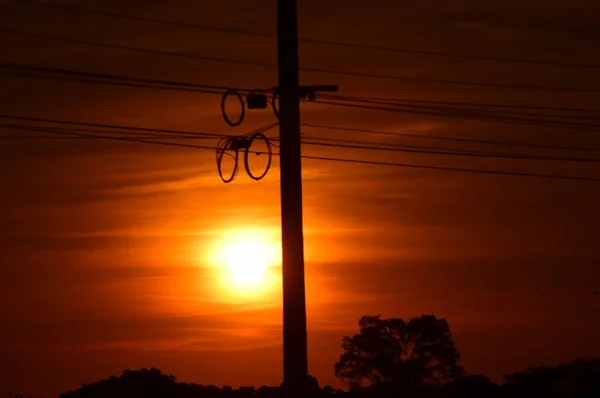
(475, 249)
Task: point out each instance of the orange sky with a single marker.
(475, 249)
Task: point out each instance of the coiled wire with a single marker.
(243, 104)
(232, 146)
(240, 119)
(222, 147)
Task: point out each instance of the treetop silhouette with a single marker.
(414, 353)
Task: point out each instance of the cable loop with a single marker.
(274, 98)
(253, 137)
(242, 105)
(222, 147)
(244, 143)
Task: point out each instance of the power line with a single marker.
(455, 139)
(457, 169)
(314, 41)
(314, 70)
(111, 126)
(449, 82)
(468, 114)
(213, 135)
(127, 139)
(465, 115)
(145, 19)
(472, 114)
(422, 147)
(41, 137)
(20, 70)
(432, 105)
(70, 72)
(439, 152)
(360, 161)
(469, 104)
(204, 87)
(344, 144)
(135, 49)
(103, 82)
(47, 73)
(178, 136)
(336, 142)
(449, 55)
(344, 160)
(65, 74)
(197, 87)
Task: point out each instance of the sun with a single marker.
(245, 260)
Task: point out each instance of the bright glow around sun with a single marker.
(245, 259)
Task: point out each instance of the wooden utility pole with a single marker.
(295, 353)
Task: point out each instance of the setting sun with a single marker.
(247, 260)
(244, 259)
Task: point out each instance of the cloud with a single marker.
(153, 188)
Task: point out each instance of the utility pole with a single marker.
(295, 352)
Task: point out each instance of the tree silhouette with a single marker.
(471, 386)
(391, 351)
(146, 382)
(557, 381)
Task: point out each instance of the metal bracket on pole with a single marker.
(304, 92)
(309, 92)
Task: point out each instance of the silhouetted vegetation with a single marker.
(391, 351)
(387, 358)
(558, 381)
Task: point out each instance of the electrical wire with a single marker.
(20, 70)
(220, 148)
(468, 104)
(432, 106)
(491, 115)
(447, 54)
(102, 82)
(382, 76)
(314, 41)
(454, 139)
(333, 142)
(244, 142)
(212, 89)
(162, 136)
(124, 80)
(344, 160)
(395, 145)
(446, 112)
(313, 141)
(180, 83)
(112, 126)
(470, 114)
(41, 137)
(119, 138)
(134, 49)
(146, 19)
(456, 169)
(355, 161)
(438, 152)
(305, 69)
